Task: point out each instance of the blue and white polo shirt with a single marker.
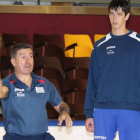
(25, 109)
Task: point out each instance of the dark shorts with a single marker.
(45, 136)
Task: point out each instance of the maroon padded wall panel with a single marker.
(60, 24)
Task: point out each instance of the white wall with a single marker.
(63, 133)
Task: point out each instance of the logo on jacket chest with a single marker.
(110, 50)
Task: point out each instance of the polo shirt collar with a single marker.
(15, 79)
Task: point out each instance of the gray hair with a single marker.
(19, 47)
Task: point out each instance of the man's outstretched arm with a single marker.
(3, 90)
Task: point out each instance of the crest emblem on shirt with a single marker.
(40, 90)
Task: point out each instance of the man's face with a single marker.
(23, 61)
(118, 19)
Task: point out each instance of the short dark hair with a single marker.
(124, 4)
(19, 46)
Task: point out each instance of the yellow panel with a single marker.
(98, 37)
(84, 47)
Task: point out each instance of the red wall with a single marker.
(60, 24)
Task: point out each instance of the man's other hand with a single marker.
(89, 125)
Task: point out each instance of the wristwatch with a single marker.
(65, 109)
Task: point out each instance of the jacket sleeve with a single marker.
(92, 85)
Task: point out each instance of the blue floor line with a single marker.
(55, 122)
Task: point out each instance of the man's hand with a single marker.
(89, 125)
(65, 116)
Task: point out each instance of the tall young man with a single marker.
(113, 92)
(24, 97)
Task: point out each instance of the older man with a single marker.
(24, 97)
